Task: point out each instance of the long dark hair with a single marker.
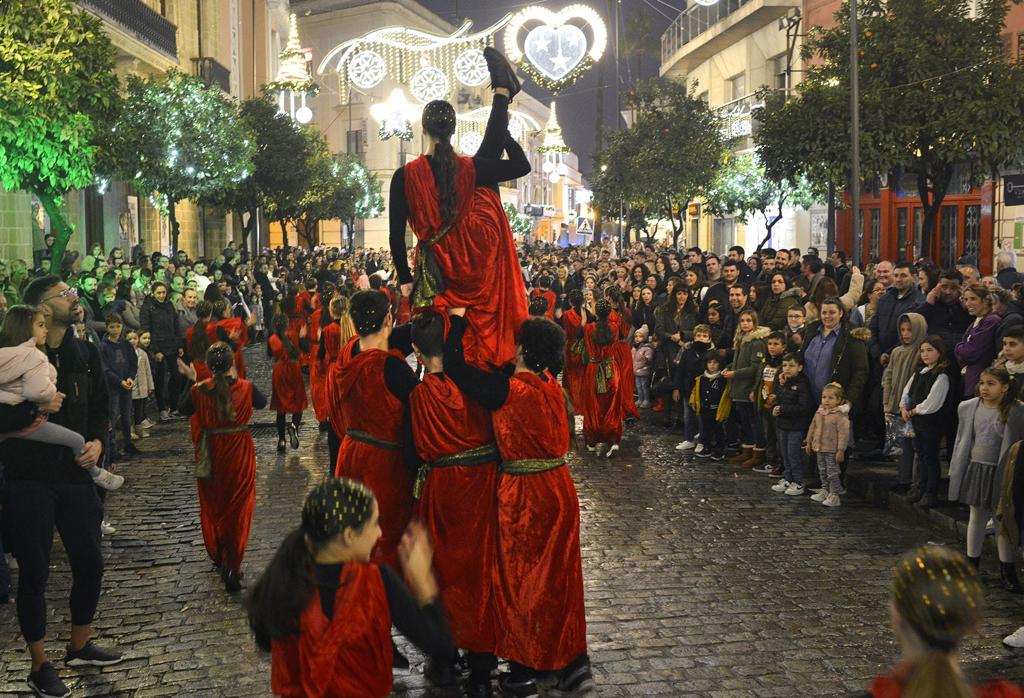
(280, 328)
(200, 342)
(220, 360)
(281, 594)
(603, 334)
(439, 122)
(17, 327)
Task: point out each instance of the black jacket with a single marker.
(796, 403)
(949, 321)
(884, 326)
(81, 378)
(161, 320)
(690, 366)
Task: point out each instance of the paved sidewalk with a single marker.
(700, 581)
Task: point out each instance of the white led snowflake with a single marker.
(471, 68)
(366, 69)
(470, 142)
(429, 84)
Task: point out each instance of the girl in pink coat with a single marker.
(27, 374)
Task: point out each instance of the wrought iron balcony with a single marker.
(212, 73)
(137, 19)
(701, 31)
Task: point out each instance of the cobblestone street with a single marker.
(700, 581)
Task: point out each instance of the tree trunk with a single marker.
(59, 227)
(931, 199)
(175, 226)
(284, 232)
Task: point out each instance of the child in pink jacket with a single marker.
(27, 374)
(828, 437)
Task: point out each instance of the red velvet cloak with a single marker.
(572, 372)
(227, 499)
(551, 298)
(289, 387)
(368, 406)
(458, 506)
(348, 656)
(199, 362)
(477, 258)
(538, 578)
(319, 371)
(239, 331)
(603, 413)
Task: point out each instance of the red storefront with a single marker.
(892, 224)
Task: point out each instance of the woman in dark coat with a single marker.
(159, 318)
(780, 300)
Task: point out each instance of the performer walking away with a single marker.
(454, 437)
(335, 336)
(321, 364)
(289, 387)
(466, 256)
(198, 339)
(371, 390)
(538, 577)
(324, 610)
(573, 320)
(607, 390)
(232, 330)
(220, 408)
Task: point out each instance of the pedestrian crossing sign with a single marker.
(584, 226)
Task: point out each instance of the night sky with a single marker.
(577, 104)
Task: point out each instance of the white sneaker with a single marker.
(106, 529)
(612, 450)
(832, 500)
(591, 448)
(699, 449)
(990, 527)
(819, 496)
(165, 415)
(147, 423)
(1016, 639)
(781, 486)
(795, 489)
(11, 562)
(108, 480)
(686, 446)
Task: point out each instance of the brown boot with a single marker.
(756, 460)
(744, 454)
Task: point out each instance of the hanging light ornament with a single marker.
(293, 82)
(556, 50)
(395, 116)
(552, 148)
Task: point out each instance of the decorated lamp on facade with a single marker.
(553, 147)
(293, 83)
(555, 48)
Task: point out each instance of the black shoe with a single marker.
(574, 682)
(914, 496)
(131, 449)
(324, 426)
(679, 424)
(399, 662)
(280, 446)
(667, 423)
(928, 501)
(232, 581)
(975, 562)
(293, 436)
(46, 683)
(900, 489)
(479, 688)
(1009, 579)
(440, 675)
(91, 655)
(525, 688)
(502, 72)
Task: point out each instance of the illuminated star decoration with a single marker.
(556, 50)
(395, 116)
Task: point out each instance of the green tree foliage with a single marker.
(668, 157)
(57, 88)
(936, 91)
(340, 188)
(520, 223)
(278, 166)
(180, 139)
(743, 189)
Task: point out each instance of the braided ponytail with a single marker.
(439, 122)
(219, 359)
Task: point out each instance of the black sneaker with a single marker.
(574, 682)
(46, 683)
(131, 449)
(280, 446)
(526, 688)
(92, 655)
(501, 71)
(441, 675)
(293, 436)
(399, 662)
(479, 688)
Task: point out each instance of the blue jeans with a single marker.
(691, 423)
(120, 417)
(643, 389)
(926, 445)
(712, 434)
(791, 449)
(750, 425)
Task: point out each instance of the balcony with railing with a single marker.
(701, 31)
(212, 73)
(136, 18)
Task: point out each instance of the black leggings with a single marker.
(333, 444)
(168, 382)
(31, 510)
(281, 416)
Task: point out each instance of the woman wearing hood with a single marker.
(902, 362)
(749, 350)
(779, 302)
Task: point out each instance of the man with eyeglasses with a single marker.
(49, 486)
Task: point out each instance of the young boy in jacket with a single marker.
(691, 365)
(120, 365)
(793, 411)
(764, 401)
(710, 400)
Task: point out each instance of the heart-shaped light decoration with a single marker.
(556, 50)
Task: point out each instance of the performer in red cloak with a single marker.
(220, 409)
(234, 331)
(324, 610)
(538, 578)
(606, 394)
(289, 387)
(335, 336)
(198, 339)
(297, 307)
(319, 366)
(456, 485)
(466, 256)
(371, 389)
(543, 288)
(573, 320)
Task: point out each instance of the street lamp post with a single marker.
(858, 231)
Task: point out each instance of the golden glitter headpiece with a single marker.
(335, 505)
(937, 591)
